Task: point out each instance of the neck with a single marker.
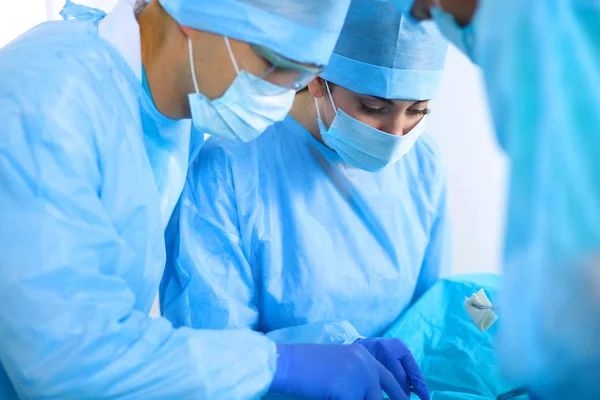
(159, 61)
(304, 111)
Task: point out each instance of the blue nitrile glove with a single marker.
(396, 357)
(332, 371)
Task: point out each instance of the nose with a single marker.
(398, 126)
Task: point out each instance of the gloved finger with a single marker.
(390, 385)
(397, 369)
(415, 377)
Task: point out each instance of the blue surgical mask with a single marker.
(462, 37)
(248, 107)
(362, 146)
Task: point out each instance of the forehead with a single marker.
(398, 102)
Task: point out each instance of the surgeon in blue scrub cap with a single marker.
(332, 223)
(99, 116)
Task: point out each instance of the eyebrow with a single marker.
(387, 101)
(390, 102)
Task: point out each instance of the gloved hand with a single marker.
(332, 371)
(397, 358)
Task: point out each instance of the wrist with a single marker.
(282, 372)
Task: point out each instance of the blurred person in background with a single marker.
(540, 62)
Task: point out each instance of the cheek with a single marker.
(224, 72)
(215, 79)
(413, 120)
(328, 110)
(252, 62)
(411, 123)
(350, 107)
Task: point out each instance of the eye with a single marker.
(413, 112)
(370, 110)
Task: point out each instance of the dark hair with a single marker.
(140, 5)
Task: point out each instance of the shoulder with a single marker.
(218, 152)
(54, 55)
(61, 78)
(219, 161)
(222, 162)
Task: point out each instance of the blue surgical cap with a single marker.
(301, 30)
(404, 5)
(384, 53)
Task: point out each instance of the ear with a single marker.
(317, 87)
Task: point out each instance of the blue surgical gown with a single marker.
(287, 239)
(541, 61)
(81, 239)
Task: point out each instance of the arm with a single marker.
(68, 326)
(437, 261)
(208, 282)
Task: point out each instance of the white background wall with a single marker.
(476, 169)
(17, 16)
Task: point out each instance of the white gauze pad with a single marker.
(482, 318)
